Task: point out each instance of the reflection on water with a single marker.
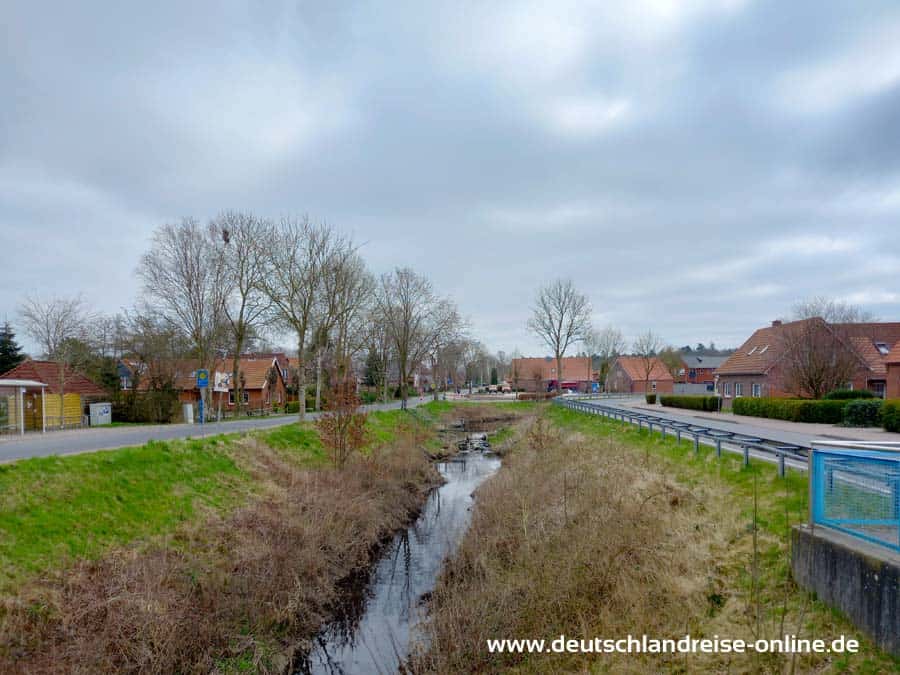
(372, 632)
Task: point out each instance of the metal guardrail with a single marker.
(855, 489)
(766, 449)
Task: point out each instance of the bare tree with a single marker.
(184, 281)
(606, 344)
(245, 266)
(406, 301)
(297, 250)
(59, 326)
(445, 329)
(561, 317)
(818, 354)
(646, 347)
(671, 359)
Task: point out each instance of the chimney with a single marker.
(776, 323)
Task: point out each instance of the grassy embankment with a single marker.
(595, 529)
(207, 554)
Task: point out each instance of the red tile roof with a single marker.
(636, 370)
(48, 373)
(254, 370)
(763, 348)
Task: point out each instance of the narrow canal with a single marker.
(374, 632)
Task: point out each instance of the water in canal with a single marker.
(373, 633)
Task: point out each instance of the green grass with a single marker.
(55, 508)
(299, 441)
(781, 503)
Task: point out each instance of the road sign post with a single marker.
(202, 383)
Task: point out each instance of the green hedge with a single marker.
(791, 409)
(292, 407)
(863, 413)
(890, 415)
(650, 398)
(848, 394)
(706, 403)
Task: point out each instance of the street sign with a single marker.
(202, 378)
(222, 382)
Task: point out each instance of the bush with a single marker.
(863, 413)
(791, 409)
(890, 415)
(292, 407)
(848, 394)
(651, 398)
(689, 402)
(368, 397)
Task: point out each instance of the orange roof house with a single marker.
(53, 410)
(755, 367)
(628, 374)
(539, 373)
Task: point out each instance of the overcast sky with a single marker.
(696, 166)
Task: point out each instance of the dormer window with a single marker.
(752, 351)
(882, 348)
(763, 350)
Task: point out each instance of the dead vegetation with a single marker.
(574, 536)
(236, 593)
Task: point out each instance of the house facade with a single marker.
(629, 375)
(757, 366)
(538, 374)
(697, 369)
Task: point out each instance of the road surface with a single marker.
(87, 440)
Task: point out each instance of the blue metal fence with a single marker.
(855, 488)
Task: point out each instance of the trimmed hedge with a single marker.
(863, 413)
(292, 407)
(791, 409)
(890, 415)
(705, 403)
(650, 398)
(848, 394)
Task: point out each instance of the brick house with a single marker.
(539, 374)
(628, 374)
(699, 369)
(756, 368)
(264, 380)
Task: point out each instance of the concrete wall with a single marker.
(861, 580)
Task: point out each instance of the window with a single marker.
(692, 374)
(756, 390)
(126, 382)
(231, 397)
(763, 350)
(738, 389)
(653, 385)
(752, 351)
(728, 390)
(882, 348)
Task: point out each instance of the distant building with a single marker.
(539, 374)
(756, 368)
(628, 374)
(699, 369)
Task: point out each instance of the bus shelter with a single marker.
(17, 406)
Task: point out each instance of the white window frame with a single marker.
(756, 390)
(738, 389)
(727, 389)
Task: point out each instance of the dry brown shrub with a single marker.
(572, 537)
(255, 584)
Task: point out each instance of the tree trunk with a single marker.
(236, 380)
(301, 380)
(62, 395)
(434, 377)
(318, 378)
(558, 372)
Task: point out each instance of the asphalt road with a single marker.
(88, 440)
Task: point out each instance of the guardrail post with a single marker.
(663, 427)
(678, 435)
(640, 424)
(696, 443)
(746, 449)
(718, 447)
(781, 464)
(650, 427)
